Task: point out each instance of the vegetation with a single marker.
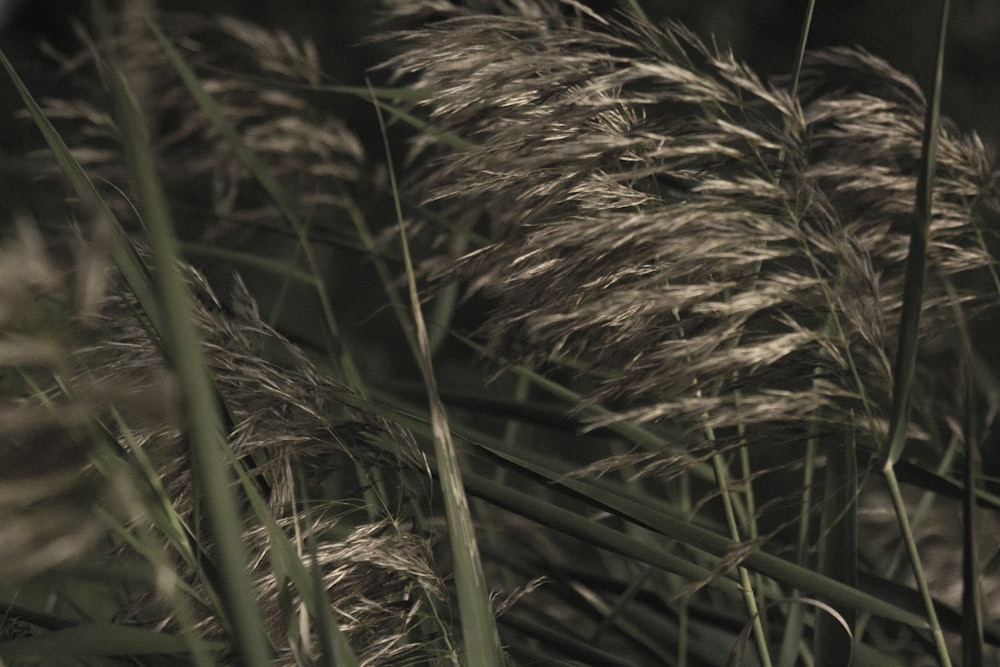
(600, 349)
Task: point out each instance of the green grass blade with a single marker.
(288, 565)
(635, 7)
(479, 630)
(569, 646)
(899, 507)
(586, 529)
(211, 475)
(123, 253)
(749, 593)
(661, 518)
(972, 601)
(271, 186)
(795, 624)
(266, 265)
(906, 360)
(803, 42)
(916, 263)
(972, 594)
(839, 552)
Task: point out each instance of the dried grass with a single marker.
(261, 82)
(711, 250)
(297, 429)
(699, 247)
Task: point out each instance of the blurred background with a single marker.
(763, 33)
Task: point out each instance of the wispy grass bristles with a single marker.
(296, 429)
(701, 248)
(287, 419)
(691, 282)
(257, 79)
(689, 232)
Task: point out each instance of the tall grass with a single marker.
(668, 391)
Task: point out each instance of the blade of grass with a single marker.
(972, 603)
(749, 594)
(586, 529)
(123, 253)
(906, 360)
(568, 645)
(839, 552)
(636, 9)
(479, 630)
(661, 518)
(274, 267)
(211, 476)
(795, 622)
(273, 189)
(287, 564)
(972, 599)
(916, 263)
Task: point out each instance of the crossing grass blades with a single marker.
(695, 364)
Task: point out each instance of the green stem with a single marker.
(918, 571)
(210, 474)
(749, 598)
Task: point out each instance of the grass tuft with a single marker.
(651, 417)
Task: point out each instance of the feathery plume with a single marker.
(297, 430)
(709, 249)
(259, 79)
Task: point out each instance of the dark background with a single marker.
(761, 32)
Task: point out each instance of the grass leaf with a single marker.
(482, 643)
(211, 474)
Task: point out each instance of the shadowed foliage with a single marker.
(667, 391)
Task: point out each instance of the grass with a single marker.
(650, 417)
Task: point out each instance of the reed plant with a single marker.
(696, 372)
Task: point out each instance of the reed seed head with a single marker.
(710, 249)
